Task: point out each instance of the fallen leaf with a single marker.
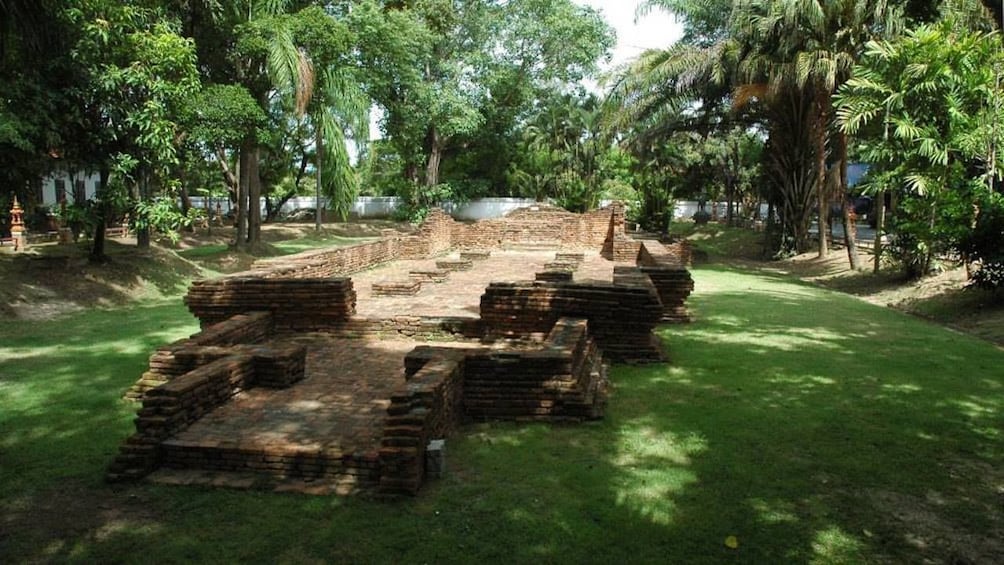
(732, 542)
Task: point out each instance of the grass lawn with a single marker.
(810, 426)
(284, 247)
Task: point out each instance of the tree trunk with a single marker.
(435, 149)
(98, 245)
(143, 230)
(822, 120)
(243, 176)
(879, 229)
(850, 230)
(254, 199)
(318, 209)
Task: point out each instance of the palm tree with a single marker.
(811, 46)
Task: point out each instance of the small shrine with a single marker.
(17, 231)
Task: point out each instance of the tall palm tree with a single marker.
(812, 46)
(320, 85)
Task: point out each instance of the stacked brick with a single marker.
(201, 348)
(295, 304)
(397, 288)
(434, 237)
(569, 257)
(539, 226)
(554, 275)
(564, 380)
(621, 317)
(455, 265)
(334, 262)
(350, 471)
(474, 255)
(429, 275)
(276, 366)
(426, 407)
(679, 252)
(672, 281)
(452, 328)
(173, 406)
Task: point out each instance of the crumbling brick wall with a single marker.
(622, 316)
(561, 379)
(295, 304)
(208, 345)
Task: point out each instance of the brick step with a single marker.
(274, 462)
(533, 246)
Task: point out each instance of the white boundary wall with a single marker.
(376, 207)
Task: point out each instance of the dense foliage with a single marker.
(761, 105)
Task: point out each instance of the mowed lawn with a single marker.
(793, 424)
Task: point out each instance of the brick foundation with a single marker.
(563, 329)
(622, 315)
(562, 379)
(295, 304)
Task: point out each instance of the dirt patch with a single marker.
(947, 527)
(73, 511)
(54, 280)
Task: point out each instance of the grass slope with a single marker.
(811, 426)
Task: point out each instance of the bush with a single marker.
(990, 276)
(701, 217)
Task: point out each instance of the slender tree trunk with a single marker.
(318, 209)
(98, 245)
(143, 231)
(435, 148)
(229, 178)
(879, 229)
(254, 199)
(850, 229)
(243, 176)
(822, 105)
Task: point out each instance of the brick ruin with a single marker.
(536, 351)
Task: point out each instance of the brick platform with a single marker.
(396, 288)
(255, 398)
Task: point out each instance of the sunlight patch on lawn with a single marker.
(833, 545)
(774, 512)
(654, 467)
(790, 339)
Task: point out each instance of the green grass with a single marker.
(290, 246)
(284, 247)
(204, 251)
(721, 241)
(811, 426)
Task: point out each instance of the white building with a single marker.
(75, 186)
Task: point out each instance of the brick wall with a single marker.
(208, 345)
(666, 267)
(621, 315)
(561, 379)
(295, 304)
(334, 262)
(425, 407)
(174, 405)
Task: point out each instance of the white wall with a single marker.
(373, 207)
(49, 198)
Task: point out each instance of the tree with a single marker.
(135, 73)
(472, 75)
(928, 107)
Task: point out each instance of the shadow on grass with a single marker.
(810, 426)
